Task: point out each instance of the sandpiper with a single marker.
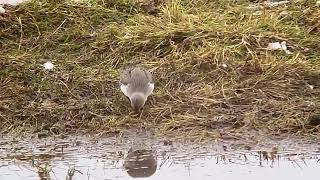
(137, 84)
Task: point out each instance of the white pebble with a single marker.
(284, 45)
(311, 87)
(224, 65)
(48, 65)
(278, 45)
(2, 10)
(274, 46)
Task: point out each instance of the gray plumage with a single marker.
(137, 84)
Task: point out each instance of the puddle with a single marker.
(119, 158)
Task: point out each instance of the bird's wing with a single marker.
(148, 76)
(125, 76)
(136, 76)
(150, 84)
(124, 81)
(150, 89)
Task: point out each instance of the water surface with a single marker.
(121, 158)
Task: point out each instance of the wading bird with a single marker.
(137, 84)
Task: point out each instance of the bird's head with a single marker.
(137, 101)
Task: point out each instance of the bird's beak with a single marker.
(137, 109)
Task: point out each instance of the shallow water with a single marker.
(120, 158)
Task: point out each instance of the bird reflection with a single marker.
(140, 163)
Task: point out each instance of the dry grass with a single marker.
(214, 76)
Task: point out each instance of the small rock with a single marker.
(48, 65)
(274, 46)
(311, 87)
(2, 10)
(278, 45)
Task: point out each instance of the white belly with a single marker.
(125, 89)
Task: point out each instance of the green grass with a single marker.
(213, 73)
